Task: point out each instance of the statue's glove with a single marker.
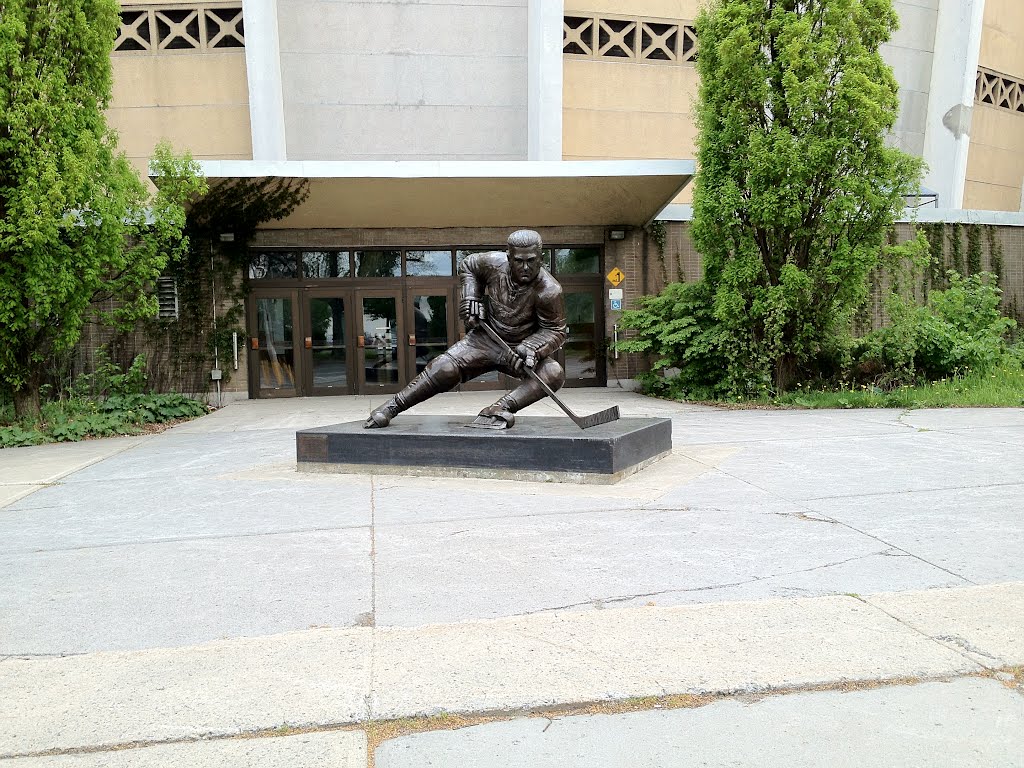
(528, 355)
(522, 357)
(472, 313)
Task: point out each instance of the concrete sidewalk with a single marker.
(192, 585)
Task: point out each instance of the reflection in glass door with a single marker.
(328, 359)
(380, 367)
(430, 322)
(580, 352)
(274, 347)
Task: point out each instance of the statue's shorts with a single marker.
(476, 354)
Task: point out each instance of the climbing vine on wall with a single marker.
(659, 234)
(956, 247)
(973, 249)
(211, 291)
(934, 274)
(995, 253)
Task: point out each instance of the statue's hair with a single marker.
(525, 238)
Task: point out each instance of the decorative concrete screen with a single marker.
(626, 37)
(198, 28)
(999, 90)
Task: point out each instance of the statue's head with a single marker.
(525, 251)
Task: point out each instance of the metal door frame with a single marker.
(347, 295)
(253, 351)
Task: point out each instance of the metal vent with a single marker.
(167, 298)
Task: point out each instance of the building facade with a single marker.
(431, 130)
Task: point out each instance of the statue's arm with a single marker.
(473, 278)
(552, 330)
(472, 284)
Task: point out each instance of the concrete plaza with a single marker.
(176, 591)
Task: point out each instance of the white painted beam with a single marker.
(947, 136)
(545, 80)
(263, 67)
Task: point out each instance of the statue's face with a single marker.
(524, 264)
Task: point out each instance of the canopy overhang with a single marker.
(434, 194)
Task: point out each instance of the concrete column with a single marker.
(545, 80)
(263, 66)
(947, 136)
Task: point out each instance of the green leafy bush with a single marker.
(79, 418)
(107, 378)
(109, 401)
(678, 328)
(959, 330)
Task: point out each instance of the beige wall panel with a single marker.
(989, 197)
(997, 127)
(166, 80)
(995, 165)
(662, 9)
(207, 131)
(613, 85)
(1002, 40)
(601, 134)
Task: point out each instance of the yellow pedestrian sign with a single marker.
(616, 276)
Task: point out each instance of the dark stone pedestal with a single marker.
(537, 449)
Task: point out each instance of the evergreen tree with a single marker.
(797, 187)
(77, 224)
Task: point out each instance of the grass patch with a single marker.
(81, 418)
(1000, 387)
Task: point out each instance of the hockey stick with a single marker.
(583, 422)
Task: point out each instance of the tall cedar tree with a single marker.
(77, 224)
(797, 187)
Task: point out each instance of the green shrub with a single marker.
(108, 379)
(959, 330)
(678, 329)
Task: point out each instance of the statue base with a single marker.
(540, 449)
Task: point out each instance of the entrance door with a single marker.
(430, 322)
(381, 362)
(326, 346)
(272, 345)
(582, 356)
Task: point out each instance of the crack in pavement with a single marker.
(966, 645)
(682, 590)
(888, 544)
(29, 656)
(907, 491)
(182, 539)
(368, 699)
(956, 648)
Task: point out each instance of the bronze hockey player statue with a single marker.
(523, 304)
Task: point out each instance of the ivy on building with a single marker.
(210, 284)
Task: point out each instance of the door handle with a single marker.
(361, 342)
(254, 343)
(412, 341)
(309, 342)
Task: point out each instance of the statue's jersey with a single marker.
(531, 314)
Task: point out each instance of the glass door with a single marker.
(582, 356)
(430, 321)
(380, 366)
(326, 342)
(272, 360)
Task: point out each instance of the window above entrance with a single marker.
(289, 264)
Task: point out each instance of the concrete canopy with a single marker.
(376, 194)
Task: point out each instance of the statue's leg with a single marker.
(527, 393)
(440, 375)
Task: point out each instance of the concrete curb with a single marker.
(336, 676)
